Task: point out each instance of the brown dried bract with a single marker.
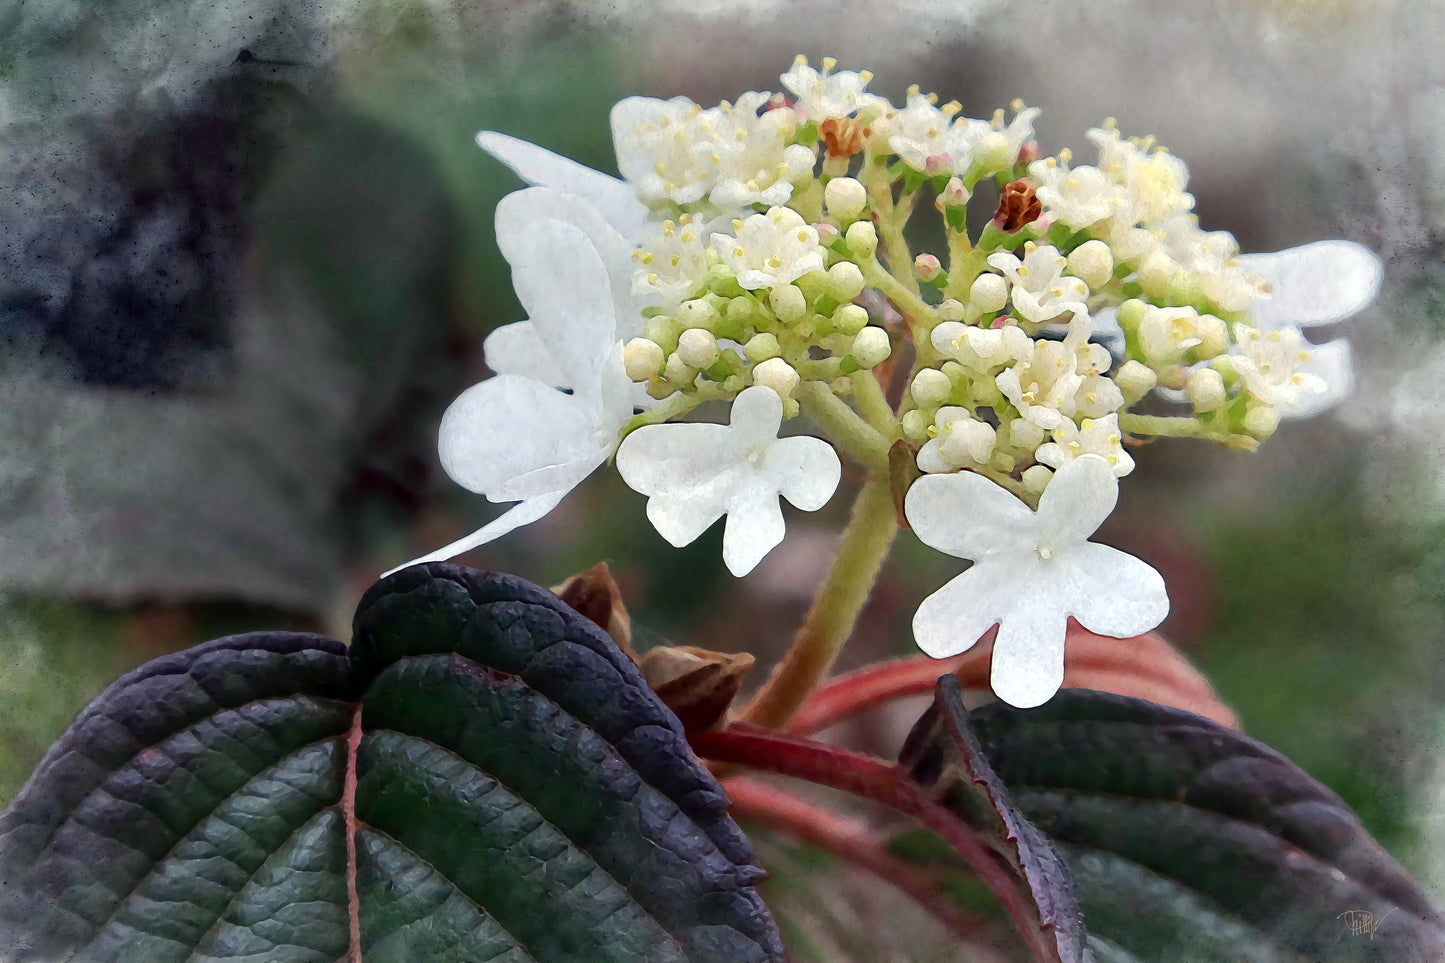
(843, 136)
(1019, 206)
(698, 685)
(594, 593)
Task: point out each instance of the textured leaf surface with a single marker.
(943, 755)
(518, 794)
(1189, 841)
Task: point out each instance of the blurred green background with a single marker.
(246, 259)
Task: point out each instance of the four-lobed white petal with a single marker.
(1031, 572)
(694, 473)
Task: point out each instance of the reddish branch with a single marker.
(874, 779)
(852, 841)
(348, 812)
(1146, 667)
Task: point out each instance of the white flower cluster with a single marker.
(753, 252)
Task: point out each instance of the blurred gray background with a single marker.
(246, 260)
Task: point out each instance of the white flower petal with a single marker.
(1111, 592)
(516, 349)
(1315, 283)
(754, 528)
(563, 284)
(967, 515)
(805, 470)
(612, 197)
(681, 519)
(952, 619)
(507, 426)
(1080, 496)
(518, 210)
(515, 517)
(675, 459)
(1028, 656)
(756, 415)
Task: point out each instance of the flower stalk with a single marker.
(861, 552)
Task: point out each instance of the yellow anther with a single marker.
(1074, 446)
(829, 63)
(687, 237)
(1088, 423)
(932, 431)
(775, 261)
(738, 252)
(674, 260)
(651, 278)
(647, 258)
(737, 224)
(803, 234)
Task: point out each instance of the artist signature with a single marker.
(1363, 922)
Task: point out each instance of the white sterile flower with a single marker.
(1078, 197)
(670, 262)
(1038, 287)
(514, 438)
(959, 441)
(1295, 377)
(613, 198)
(1318, 283)
(1092, 436)
(1032, 570)
(693, 474)
(981, 349)
(823, 94)
(771, 249)
(1044, 386)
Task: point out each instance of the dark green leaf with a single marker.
(943, 755)
(1189, 841)
(519, 794)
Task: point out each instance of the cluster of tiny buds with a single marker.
(1091, 287)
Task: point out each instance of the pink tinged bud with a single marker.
(927, 267)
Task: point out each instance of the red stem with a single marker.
(348, 812)
(873, 778)
(1145, 667)
(851, 840)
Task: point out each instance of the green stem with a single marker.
(873, 404)
(1183, 428)
(844, 428)
(835, 609)
(675, 406)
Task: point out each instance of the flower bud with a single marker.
(1205, 390)
(697, 348)
(696, 314)
(927, 268)
(1261, 421)
(761, 347)
(845, 198)
(845, 281)
(1093, 263)
(642, 358)
(788, 303)
(870, 347)
(931, 388)
(1135, 380)
(827, 234)
(777, 374)
(1213, 336)
(862, 238)
(678, 372)
(915, 426)
(663, 330)
(954, 194)
(1025, 435)
(951, 309)
(850, 318)
(1036, 479)
(989, 292)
